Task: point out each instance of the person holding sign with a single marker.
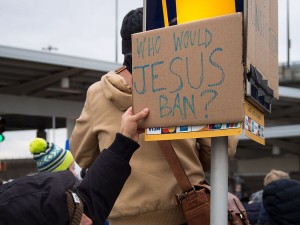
(52, 198)
(148, 195)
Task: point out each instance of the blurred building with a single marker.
(44, 90)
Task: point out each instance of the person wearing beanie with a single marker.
(49, 198)
(132, 23)
(50, 157)
(148, 195)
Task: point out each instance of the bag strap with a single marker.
(175, 166)
(123, 71)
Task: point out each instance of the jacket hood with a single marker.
(117, 90)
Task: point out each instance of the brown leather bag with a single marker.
(196, 207)
(236, 212)
(195, 199)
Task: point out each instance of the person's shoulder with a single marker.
(281, 189)
(111, 75)
(282, 184)
(256, 196)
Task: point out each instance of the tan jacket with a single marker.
(148, 195)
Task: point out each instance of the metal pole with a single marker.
(219, 181)
(288, 33)
(144, 14)
(116, 14)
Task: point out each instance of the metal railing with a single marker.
(291, 73)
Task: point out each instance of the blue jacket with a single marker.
(281, 200)
(252, 210)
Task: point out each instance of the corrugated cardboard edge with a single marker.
(271, 63)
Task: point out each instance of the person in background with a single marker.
(49, 198)
(148, 195)
(273, 175)
(281, 199)
(255, 208)
(50, 157)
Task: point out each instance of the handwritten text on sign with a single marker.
(184, 73)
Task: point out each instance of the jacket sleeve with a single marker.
(205, 150)
(105, 179)
(83, 141)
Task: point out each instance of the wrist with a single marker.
(124, 146)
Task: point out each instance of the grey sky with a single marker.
(75, 27)
(87, 28)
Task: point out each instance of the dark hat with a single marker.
(37, 199)
(132, 23)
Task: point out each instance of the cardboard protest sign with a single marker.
(190, 74)
(261, 29)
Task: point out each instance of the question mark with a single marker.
(215, 94)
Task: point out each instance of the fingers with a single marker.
(129, 111)
(140, 115)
